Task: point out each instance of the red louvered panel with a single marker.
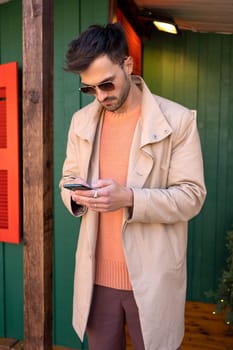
(9, 154)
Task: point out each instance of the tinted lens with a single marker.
(91, 90)
(87, 89)
(108, 86)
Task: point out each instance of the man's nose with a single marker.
(100, 94)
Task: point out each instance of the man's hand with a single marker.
(106, 195)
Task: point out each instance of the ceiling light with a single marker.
(166, 26)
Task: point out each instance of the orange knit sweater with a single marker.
(115, 143)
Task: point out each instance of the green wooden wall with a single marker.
(196, 70)
(193, 69)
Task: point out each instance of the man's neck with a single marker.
(134, 98)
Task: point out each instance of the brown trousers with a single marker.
(111, 310)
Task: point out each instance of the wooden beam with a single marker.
(38, 172)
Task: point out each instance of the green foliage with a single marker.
(224, 293)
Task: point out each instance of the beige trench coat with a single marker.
(166, 175)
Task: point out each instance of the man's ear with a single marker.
(128, 63)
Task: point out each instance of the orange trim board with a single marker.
(9, 154)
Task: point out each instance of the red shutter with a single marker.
(9, 154)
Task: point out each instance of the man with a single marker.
(141, 156)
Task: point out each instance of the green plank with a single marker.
(190, 69)
(10, 32)
(14, 290)
(179, 59)
(211, 149)
(229, 196)
(2, 291)
(168, 67)
(224, 137)
(152, 62)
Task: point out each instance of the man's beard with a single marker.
(121, 99)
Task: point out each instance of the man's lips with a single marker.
(108, 100)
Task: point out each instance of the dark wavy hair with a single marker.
(94, 42)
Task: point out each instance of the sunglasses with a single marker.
(91, 89)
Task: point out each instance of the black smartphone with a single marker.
(75, 187)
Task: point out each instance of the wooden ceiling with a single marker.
(215, 16)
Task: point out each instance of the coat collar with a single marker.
(153, 122)
(86, 121)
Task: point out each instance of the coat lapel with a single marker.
(152, 127)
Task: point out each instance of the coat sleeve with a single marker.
(70, 172)
(185, 193)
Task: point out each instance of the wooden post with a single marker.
(38, 172)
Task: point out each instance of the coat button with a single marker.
(154, 136)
